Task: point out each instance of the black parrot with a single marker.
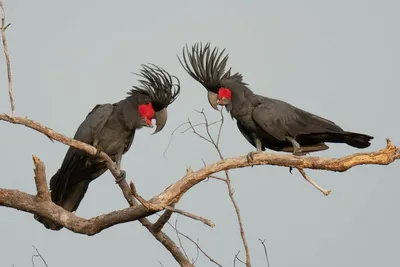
(111, 128)
(264, 122)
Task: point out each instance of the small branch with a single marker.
(220, 127)
(240, 221)
(196, 244)
(196, 133)
(53, 135)
(3, 36)
(265, 250)
(237, 259)
(228, 184)
(38, 255)
(217, 178)
(199, 124)
(184, 131)
(190, 215)
(42, 189)
(159, 224)
(179, 239)
(311, 181)
(149, 206)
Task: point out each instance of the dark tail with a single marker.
(357, 140)
(352, 139)
(67, 192)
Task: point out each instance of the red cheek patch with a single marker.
(224, 93)
(147, 111)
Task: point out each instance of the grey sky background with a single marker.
(338, 59)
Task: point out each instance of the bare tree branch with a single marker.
(311, 181)
(184, 131)
(22, 201)
(237, 259)
(193, 216)
(196, 244)
(39, 256)
(159, 224)
(227, 181)
(265, 250)
(42, 189)
(5, 48)
(179, 238)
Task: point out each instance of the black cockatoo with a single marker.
(264, 122)
(111, 129)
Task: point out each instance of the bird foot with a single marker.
(298, 152)
(290, 170)
(99, 150)
(250, 155)
(121, 177)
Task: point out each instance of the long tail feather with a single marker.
(352, 139)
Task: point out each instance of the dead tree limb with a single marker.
(22, 201)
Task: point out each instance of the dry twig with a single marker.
(193, 216)
(265, 250)
(196, 244)
(227, 179)
(6, 54)
(311, 181)
(38, 255)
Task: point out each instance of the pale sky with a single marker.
(338, 59)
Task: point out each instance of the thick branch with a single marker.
(159, 224)
(382, 157)
(53, 135)
(25, 202)
(42, 189)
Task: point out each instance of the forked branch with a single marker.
(227, 179)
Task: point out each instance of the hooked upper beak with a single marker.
(223, 101)
(213, 99)
(161, 119)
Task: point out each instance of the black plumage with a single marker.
(111, 128)
(264, 122)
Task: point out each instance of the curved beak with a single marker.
(213, 99)
(161, 119)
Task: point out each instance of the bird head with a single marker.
(147, 113)
(207, 66)
(160, 90)
(224, 96)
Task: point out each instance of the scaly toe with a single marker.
(99, 150)
(121, 177)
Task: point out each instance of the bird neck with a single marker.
(241, 101)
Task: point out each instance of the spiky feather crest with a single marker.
(207, 66)
(158, 85)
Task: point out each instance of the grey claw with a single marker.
(99, 150)
(298, 152)
(250, 156)
(121, 177)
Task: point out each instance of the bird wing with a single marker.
(86, 132)
(245, 133)
(129, 142)
(281, 119)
